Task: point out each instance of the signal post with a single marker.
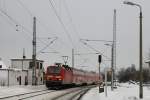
(99, 61)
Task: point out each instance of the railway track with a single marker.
(26, 95)
(65, 94)
(75, 94)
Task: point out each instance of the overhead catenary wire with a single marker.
(20, 2)
(47, 46)
(9, 22)
(15, 27)
(16, 24)
(61, 22)
(97, 40)
(32, 15)
(71, 19)
(94, 49)
(73, 25)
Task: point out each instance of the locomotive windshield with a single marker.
(54, 69)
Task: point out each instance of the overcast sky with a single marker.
(83, 19)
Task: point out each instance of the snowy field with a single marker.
(124, 91)
(13, 90)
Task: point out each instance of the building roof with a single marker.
(25, 60)
(148, 61)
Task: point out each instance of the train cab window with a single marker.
(53, 69)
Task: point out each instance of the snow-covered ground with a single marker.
(13, 90)
(124, 91)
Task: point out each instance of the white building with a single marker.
(12, 76)
(26, 64)
(20, 72)
(3, 74)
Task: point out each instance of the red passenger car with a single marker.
(63, 75)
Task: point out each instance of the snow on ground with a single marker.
(12, 90)
(124, 91)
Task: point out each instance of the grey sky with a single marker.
(92, 20)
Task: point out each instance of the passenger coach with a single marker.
(63, 75)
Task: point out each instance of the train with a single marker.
(62, 75)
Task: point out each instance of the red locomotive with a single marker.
(63, 75)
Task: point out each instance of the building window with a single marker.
(37, 65)
(0, 66)
(30, 65)
(41, 65)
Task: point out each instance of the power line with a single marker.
(32, 15)
(61, 22)
(70, 18)
(47, 46)
(14, 21)
(86, 53)
(94, 49)
(18, 24)
(20, 2)
(11, 24)
(96, 40)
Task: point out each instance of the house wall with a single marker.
(10, 77)
(26, 65)
(3, 77)
(20, 64)
(17, 77)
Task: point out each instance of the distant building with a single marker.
(20, 72)
(3, 74)
(12, 76)
(26, 64)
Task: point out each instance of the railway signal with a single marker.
(99, 61)
(99, 58)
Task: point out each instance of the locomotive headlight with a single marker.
(50, 76)
(58, 77)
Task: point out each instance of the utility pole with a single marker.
(34, 80)
(141, 56)
(72, 58)
(112, 68)
(106, 81)
(114, 49)
(140, 47)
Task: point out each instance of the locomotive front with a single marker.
(54, 76)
